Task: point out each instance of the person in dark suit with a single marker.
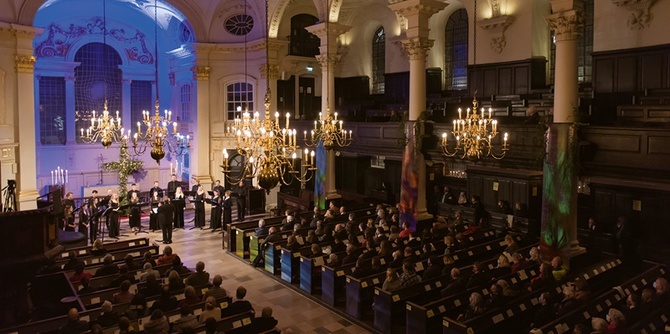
(624, 240)
(74, 325)
(69, 205)
(166, 219)
(265, 322)
(481, 216)
(133, 189)
(172, 186)
(194, 187)
(93, 207)
(227, 206)
(156, 189)
(458, 283)
(199, 201)
(242, 191)
(447, 196)
(547, 311)
(215, 213)
(84, 215)
(261, 231)
(434, 269)
(108, 267)
(166, 302)
(219, 187)
(239, 305)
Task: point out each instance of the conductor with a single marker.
(166, 218)
(242, 191)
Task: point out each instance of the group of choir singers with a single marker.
(166, 209)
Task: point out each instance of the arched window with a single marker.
(97, 78)
(302, 43)
(52, 110)
(456, 51)
(239, 94)
(185, 103)
(378, 61)
(141, 99)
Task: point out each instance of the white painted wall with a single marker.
(612, 31)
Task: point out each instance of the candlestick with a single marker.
(459, 113)
(52, 177)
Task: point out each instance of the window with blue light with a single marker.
(97, 78)
(185, 94)
(52, 110)
(141, 99)
(378, 61)
(456, 51)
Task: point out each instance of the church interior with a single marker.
(343, 161)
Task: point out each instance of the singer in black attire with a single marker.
(157, 189)
(153, 216)
(199, 208)
(114, 216)
(93, 207)
(179, 204)
(227, 209)
(135, 213)
(84, 215)
(165, 218)
(242, 191)
(172, 186)
(215, 216)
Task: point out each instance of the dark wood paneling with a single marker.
(651, 76)
(519, 77)
(352, 89)
(286, 95)
(632, 70)
(513, 186)
(627, 74)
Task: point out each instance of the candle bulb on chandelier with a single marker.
(293, 161)
(490, 113)
(311, 158)
(459, 113)
(444, 138)
(288, 116)
(174, 127)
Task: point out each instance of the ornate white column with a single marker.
(559, 198)
(200, 156)
(567, 23)
(328, 59)
(25, 86)
(416, 46)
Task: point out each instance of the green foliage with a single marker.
(126, 166)
(419, 131)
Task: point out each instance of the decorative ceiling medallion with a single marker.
(239, 25)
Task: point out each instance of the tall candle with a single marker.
(66, 178)
(52, 177)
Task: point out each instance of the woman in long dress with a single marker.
(84, 215)
(200, 208)
(114, 216)
(178, 208)
(215, 217)
(153, 216)
(135, 213)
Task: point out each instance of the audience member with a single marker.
(598, 326)
(216, 290)
(166, 302)
(85, 287)
(616, 322)
(475, 308)
(152, 287)
(239, 305)
(167, 256)
(265, 322)
(148, 269)
(124, 295)
(137, 308)
(124, 275)
(458, 283)
(74, 325)
(479, 276)
(559, 270)
(148, 258)
(158, 323)
(434, 269)
(178, 266)
(186, 320)
(199, 277)
(107, 316)
(124, 326)
(129, 260)
(175, 282)
(108, 267)
(546, 311)
(212, 310)
(392, 281)
(190, 297)
(98, 248)
(72, 262)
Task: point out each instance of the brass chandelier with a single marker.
(105, 128)
(474, 134)
(157, 134)
(269, 150)
(329, 130)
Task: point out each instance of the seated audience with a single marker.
(129, 261)
(199, 277)
(186, 320)
(85, 287)
(124, 275)
(503, 267)
(392, 281)
(124, 326)
(239, 305)
(148, 258)
(148, 269)
(74, 325)
(479, 276)
(265, 322)
(543, 279)
(175, 282)
(190, 297)
(212, 310)
(598, 326)
(559, 270)
(434, 269)
(458, 283)
(546, 311)
(107, 317)
(124, 295)
(616, 322)
(475, 308)
(178, 266)
(108, 267)
(98, 248)
(158, 323)
(167, 256)
(166, 302)
(518, 262)
(137, 308)
(73, 261)
(152, 287)
(216, 290)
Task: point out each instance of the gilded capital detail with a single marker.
(24, 64)
(331, 60)
(201, 73)
(416, 48)
(274, 71)
(566, 25)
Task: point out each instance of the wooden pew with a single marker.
(517, 313)
(333, 280)
(597, 306)
(84, 252)
(310, 272)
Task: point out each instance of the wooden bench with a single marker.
(644, 113)
(84, 252)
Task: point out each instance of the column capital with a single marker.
(273, 71)
(417, 13)
(201, 73)
(567, 25)
(329, 61)
(24, 63)
(416, 48)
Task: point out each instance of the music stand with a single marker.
(94, 216)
